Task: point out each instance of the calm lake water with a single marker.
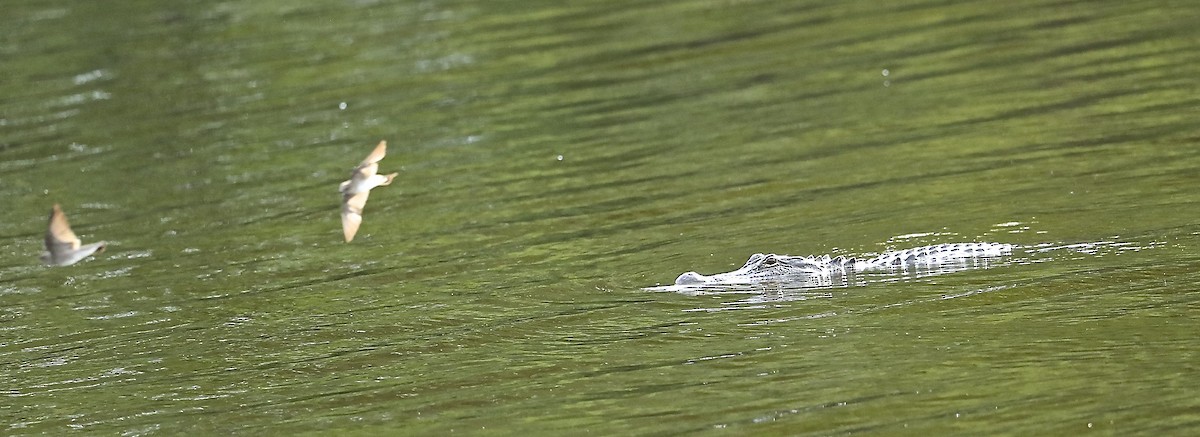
(557, 157)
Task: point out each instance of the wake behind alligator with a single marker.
(810, 271)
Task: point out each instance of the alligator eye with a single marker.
(770, 262)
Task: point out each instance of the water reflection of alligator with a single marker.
(782, 269)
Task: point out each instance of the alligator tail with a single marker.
(937, 254)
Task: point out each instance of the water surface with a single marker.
(554, 160)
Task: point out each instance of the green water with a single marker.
(555, 158)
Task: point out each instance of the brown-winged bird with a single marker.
(63, 248)
(355, 191)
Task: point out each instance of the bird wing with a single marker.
(59, 237)
(74, 256)
(352, 209)
(368, 167)
(377, 154)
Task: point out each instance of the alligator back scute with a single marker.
(938, 254)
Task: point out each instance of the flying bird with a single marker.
(63, 248)
(355, 191)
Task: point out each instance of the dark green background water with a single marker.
(496, 287)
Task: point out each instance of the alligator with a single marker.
(770, 268)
